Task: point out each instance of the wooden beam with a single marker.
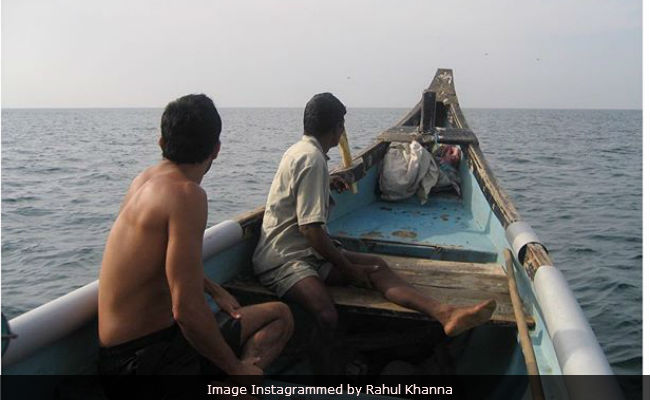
(452, 136)
(421, 250)
(428, 111)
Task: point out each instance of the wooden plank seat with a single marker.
(451, 282)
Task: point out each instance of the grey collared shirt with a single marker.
(299, 195)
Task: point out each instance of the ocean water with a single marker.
(574, 175)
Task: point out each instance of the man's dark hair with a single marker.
(190, 127)
(323, 113)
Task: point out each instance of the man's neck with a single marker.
(324, 144)
(193, 172)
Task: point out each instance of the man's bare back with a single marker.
(134, 254)
(153, 313)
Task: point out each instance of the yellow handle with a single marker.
(344, 147)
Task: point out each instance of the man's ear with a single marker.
(161, 142)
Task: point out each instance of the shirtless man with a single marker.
(153, 315)
(295, 256)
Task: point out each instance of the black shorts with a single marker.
(167, 352)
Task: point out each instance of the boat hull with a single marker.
(472, 229)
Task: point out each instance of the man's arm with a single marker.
(224, 300)
(312, 196)
(184, 269)
(322, 243)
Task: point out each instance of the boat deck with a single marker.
(407, 228)
(456, 283)
(442, 221)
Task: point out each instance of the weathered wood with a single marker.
(496, 196)
(524, 338)
(362, 162)
(450, 274)
(466, 297)
(366, 301)
(456, 136)
(445, 136)
(441, 117)
(396, 131)
(534, 257)
(417, 265)
(428, 111)
(454, 280)
(250, 221)
(420, 250)
(452, 283)
(372, 155)
(405, 137)
(443, 85)
(456, 116)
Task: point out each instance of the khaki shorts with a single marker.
(282, 278)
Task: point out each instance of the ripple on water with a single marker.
(33, 211)
(19, 199)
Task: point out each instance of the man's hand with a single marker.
(224, 300)
(339, 184)
(321, 242)
(360, 273)
(246, 367)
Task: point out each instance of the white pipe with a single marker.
(60, 317)
(50, 322)
(220, 237)
(576, 346)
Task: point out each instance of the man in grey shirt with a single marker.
(295, 256)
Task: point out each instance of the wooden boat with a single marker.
(452, 248)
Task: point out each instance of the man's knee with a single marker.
(283, 313)
(328, 318)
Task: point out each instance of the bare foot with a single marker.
(464, 318)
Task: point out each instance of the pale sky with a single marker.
(504, 53)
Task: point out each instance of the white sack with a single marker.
(407, 169)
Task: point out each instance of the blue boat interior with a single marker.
(445, 222)
(447, 231)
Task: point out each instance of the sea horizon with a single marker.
(301, 107)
